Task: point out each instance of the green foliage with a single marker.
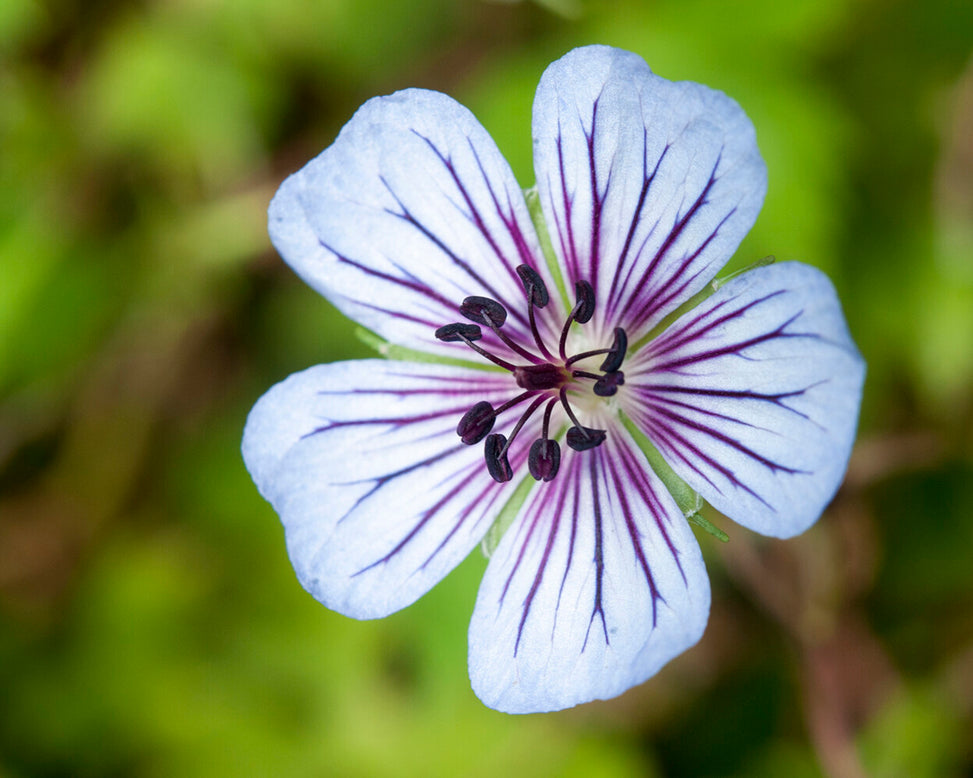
(150, 623)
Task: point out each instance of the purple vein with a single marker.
(598, 608)
(623, 260)
(404, 282)
(677, 338)
(568, 249)
(649, 306)
(474, 211)
(482, 283)
(735, 348)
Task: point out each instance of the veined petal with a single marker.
(647, 185)
(597, 584)
(753, 397)
(411, 209)
(378, 497)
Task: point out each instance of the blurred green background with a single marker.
(150, 624)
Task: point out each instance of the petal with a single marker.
(596, 585)
(647, 185)
(378, 497)
(753, 397)
(409, 211)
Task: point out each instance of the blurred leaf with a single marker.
(915, 736)
(156, 91)
(29, 253)
(18, 20)
(943, 338)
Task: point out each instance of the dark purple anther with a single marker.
(584, 438)
(585, 307)
(608, 384)
(533, 285)
(544, 459)
(476, 423)
(496, 458)
(484, 311)
(453, 333)
(616, 354)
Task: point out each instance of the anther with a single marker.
(616, 354)
(453, 333)
(544, 459)
(534, 285)
(495, 454)
(490, 313)
(476, 423)
(608, 384)
(485, 311)
(585, 438)
(584, 309)
(537, 297)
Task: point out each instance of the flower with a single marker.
(542, 365)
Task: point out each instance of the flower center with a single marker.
(545, 378)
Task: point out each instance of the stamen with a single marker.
(585, 354)
(584, 374)
(563, 395)
(495, 454)
(537, 295)
(608, 384)
(520, 423)
(476, 423)
(582, 312)
(452, 333)
(540, 380)
(616, 354)
(516, 347)
(534, 285)
(584, 309)
(484, 311)
(584, 438)
(544, 459)
(511, 403)
(545, 429)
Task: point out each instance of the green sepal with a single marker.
(506, 516)
(770, 259)
(688, 500)
(706, 525)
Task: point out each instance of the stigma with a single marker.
(543, 373)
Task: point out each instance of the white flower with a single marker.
(413, 225)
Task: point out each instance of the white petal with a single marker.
(411, 209)
(378, 497)
(596, 585)
(753, 397)
(647, 185)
